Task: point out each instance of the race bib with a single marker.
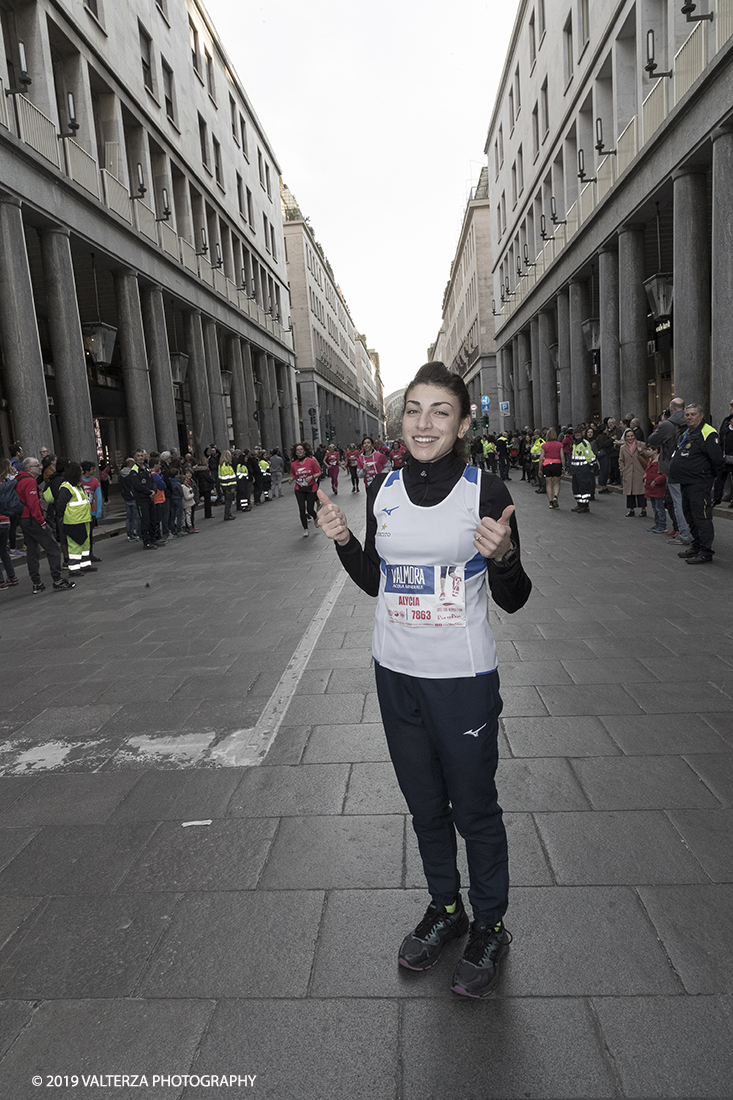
(420, 595)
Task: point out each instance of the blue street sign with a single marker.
(485, 404)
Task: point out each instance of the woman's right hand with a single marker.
(332, 520)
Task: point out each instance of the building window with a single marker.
(162, 6)
(567, 34)
(496, 157)
(541, 25)
(273, 249)
(204, 142)
(532, 41)
(503, 210)
(243, 135)
(195, 53)
(146, 57)
(267, 182)
(233, 114)
(520, 171)
(514, 184)
(583, 22)
(217, 160)
(517, 92)
(93, 7)
(544, 111)
(261, 168)
(210, 84)
(240, 195)
(266, 232)
(535, 131)
(511, 110)
(250, 215)
(501, 146)
(170, 107)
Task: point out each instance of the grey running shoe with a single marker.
(478, 971)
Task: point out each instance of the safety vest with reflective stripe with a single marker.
(78, 510)
(536, 449)
(242, 470)
(227, 477)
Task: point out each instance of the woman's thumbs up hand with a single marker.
(332, 520)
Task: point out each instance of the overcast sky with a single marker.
(377, 112)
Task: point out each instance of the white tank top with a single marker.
(432, 612)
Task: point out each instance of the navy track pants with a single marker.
(442, 738)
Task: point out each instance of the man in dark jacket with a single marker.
(695, 464)
(143, 491)
(666, 437)
(36, 531)
(726, 442)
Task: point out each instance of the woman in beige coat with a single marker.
(632, 463)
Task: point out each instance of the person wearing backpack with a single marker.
(7, 473)
(37, 533)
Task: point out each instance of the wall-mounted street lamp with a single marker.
(179, 367)
(24, 78)
(166, 208)
(493, 305)
(600, 147)
(141, 188)
(581, 169)
(660, 288)
(509, 293)
(651, 63)
(688, 8)
(543, 229)
(521, 274)
(553, 212)
(527, 261)
(204, 243)
(553, 350)
(72, 123)
(227, 377)
(592, 333)
(219, 258)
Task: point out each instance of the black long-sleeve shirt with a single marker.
(428, 484)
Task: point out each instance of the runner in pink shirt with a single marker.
(370, 461)
(305, 471)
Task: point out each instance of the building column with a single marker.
(534, 336)
(290, 407)
(609, 324)
(251, 395)
(69, 361)
(548, 378)
(581, 363)
(523, 363)
(722, 276)
(271, 403)
(134, 361)
(198, 383)
(691, 287)
(213, 374)
(633, 307)
(21, 345)
(159, 358)
(240, 423)
(565, 404)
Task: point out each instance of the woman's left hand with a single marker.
(493, 537)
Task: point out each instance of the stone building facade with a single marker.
(143, 286)
(340, 395)
(610, 154)
(465, 342)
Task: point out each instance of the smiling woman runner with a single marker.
(437, 531)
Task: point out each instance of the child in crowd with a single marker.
(159, 502)
(654, 486)
(176, 503)
(188, 490)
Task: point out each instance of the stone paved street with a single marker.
(139, 939)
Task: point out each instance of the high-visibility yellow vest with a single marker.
(78, 510)
(227, 476)
(242, 470)
(536, 449)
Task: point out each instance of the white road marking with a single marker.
(248, 747)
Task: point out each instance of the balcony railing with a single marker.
(587, 201)
(4, 119)
(189, 259)
(36, 130)
(145, 220)
(689, 62)
(606, 174)
(572, 222)
(116, 196)
(626, 146)
(168, 238)
(82, 167)
(723, 23)
(654, 109)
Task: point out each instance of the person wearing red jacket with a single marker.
(305, 472)
(36, 531)
(654, 487)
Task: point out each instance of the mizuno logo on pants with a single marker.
(474, 733)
